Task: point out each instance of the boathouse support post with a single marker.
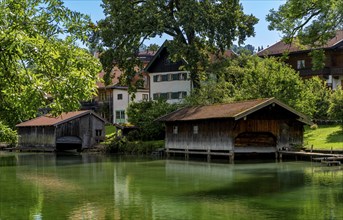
(232, 157)
(208, 155)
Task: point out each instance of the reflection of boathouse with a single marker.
(73, 130)
(254, 126)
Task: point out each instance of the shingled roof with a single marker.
(236, 110)
(281, 47)
(49, 120)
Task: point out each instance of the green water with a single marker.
(49, 186)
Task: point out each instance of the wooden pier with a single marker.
(324, 158)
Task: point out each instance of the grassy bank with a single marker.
(324, 137)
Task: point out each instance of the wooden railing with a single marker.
(324, 72)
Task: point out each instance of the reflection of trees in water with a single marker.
(92, 186)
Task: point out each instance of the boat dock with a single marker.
(325, 158)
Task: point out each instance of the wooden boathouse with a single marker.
(72, 130)
(253, 126)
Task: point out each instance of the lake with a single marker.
(95, 186)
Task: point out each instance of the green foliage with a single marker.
(7, 135)
(314, 22)
(321, 96)
(110, 130)
(251, 77)
(144, 115)
(36, 66)
(336, 106)
(153, 47)
(122, 145)
(314, 126)
(196, 27)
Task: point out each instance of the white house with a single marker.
(166, 81)
(122, 99)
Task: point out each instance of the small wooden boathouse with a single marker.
(72, 130)
(253, 126)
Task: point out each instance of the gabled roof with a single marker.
(236, 111)
(49, 120)
(281, 47)
(213, 58)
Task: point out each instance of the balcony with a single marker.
(309, 72)
(334, 71)
(337, 71)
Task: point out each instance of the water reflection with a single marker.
(93, 186)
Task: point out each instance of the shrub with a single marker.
(314, 126)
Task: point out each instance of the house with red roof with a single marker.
(72, 130)
(113, 100)
(299, 59)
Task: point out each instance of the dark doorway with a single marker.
(68, 143)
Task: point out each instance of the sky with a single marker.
(259, 8)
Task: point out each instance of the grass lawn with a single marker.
(324, 137)
(110, 129)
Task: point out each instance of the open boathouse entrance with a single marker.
(68, 143)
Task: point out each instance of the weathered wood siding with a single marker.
(97, 124)
(84, 127)
(221, 134)
(212, 135)
(38, 137)
(44, 137)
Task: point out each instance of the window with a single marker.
(103, 96)
(183, 76)
(175, 129)
(120, 116)
(183, 95)
(98, 132)
(164, 95)
(164, 77)
(155, 78)
(175, 76)
(175, 95)
(195, 129)
(156, 96)
(120, 96)
(145, 96)
(300, 64)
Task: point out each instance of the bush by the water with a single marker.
(123, 145)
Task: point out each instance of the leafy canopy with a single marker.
(36, 65)
(312, 22)
(196, 27)
(336, 106)
(143, 115)
(251, 77)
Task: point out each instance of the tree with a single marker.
(196, 27)
(312, 22)
(143, 115)
(153, 47)
(336, 106)
(251, 77)
(38, 69)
